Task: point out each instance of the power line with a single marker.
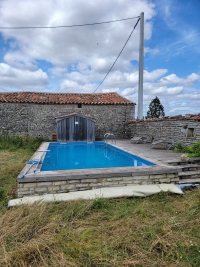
(117, 56)
(65, 26)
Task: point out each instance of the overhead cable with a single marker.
(117, 56)
(65, 26)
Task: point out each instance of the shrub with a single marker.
(194, 150)
(191, 151)
(180, 148)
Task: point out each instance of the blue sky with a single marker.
(77, 59)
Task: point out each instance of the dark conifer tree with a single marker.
(156, 109)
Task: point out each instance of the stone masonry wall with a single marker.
(54, 187)
(39, 119)
(185, 131)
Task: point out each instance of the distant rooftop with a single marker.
(194, 117)
(64, 98)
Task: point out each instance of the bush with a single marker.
(194, 150)
(191, 151)
(180, 148)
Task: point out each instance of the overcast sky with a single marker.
(76, 59)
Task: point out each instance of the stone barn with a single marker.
(34, 113)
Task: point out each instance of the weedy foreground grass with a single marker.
(161, 230)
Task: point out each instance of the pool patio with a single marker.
(33, 182)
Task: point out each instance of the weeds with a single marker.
(191, 151)
(12, 143)
(14, 152)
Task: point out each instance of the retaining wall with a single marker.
(64, 186)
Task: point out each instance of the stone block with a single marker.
(44, 184)
(41, 189)
(100, 180)
(53, 188)
(114, 179)
(30, 185)
(109, 184)
(67, 187)
(174, 179)
(82, 185)
(25, 193)
(171, 175)
(74, 181)
(165, 180)
(157, 176)
(88, 180)
(128, 178)
(140, 177)
(59, 183)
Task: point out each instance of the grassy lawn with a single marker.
(161, 230)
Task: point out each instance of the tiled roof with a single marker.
(68, 98)
(193, 117)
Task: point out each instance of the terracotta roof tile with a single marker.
(193, 117)
(68, 98)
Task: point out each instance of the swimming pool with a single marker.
(83, 155)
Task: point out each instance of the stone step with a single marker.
(175, 162)
(189, 181)
(190, 167)
(189, 174)
(191, 177)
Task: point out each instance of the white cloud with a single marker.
(57, 71)
(68, 86)
(22, 79)
(153, 75)
(69, 45)
(173, 79)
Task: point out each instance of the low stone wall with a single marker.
(184, 130)
(64, 186)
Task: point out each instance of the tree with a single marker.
(156, 109)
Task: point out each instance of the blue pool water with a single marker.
(83, 155)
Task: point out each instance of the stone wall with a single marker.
(54, 187)
(186, 131)
(39, 119)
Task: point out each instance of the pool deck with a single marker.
(159, 156)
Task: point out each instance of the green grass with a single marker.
(158, 231)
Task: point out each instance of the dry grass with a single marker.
(11, 164)
(159, 231)
(162, 230)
